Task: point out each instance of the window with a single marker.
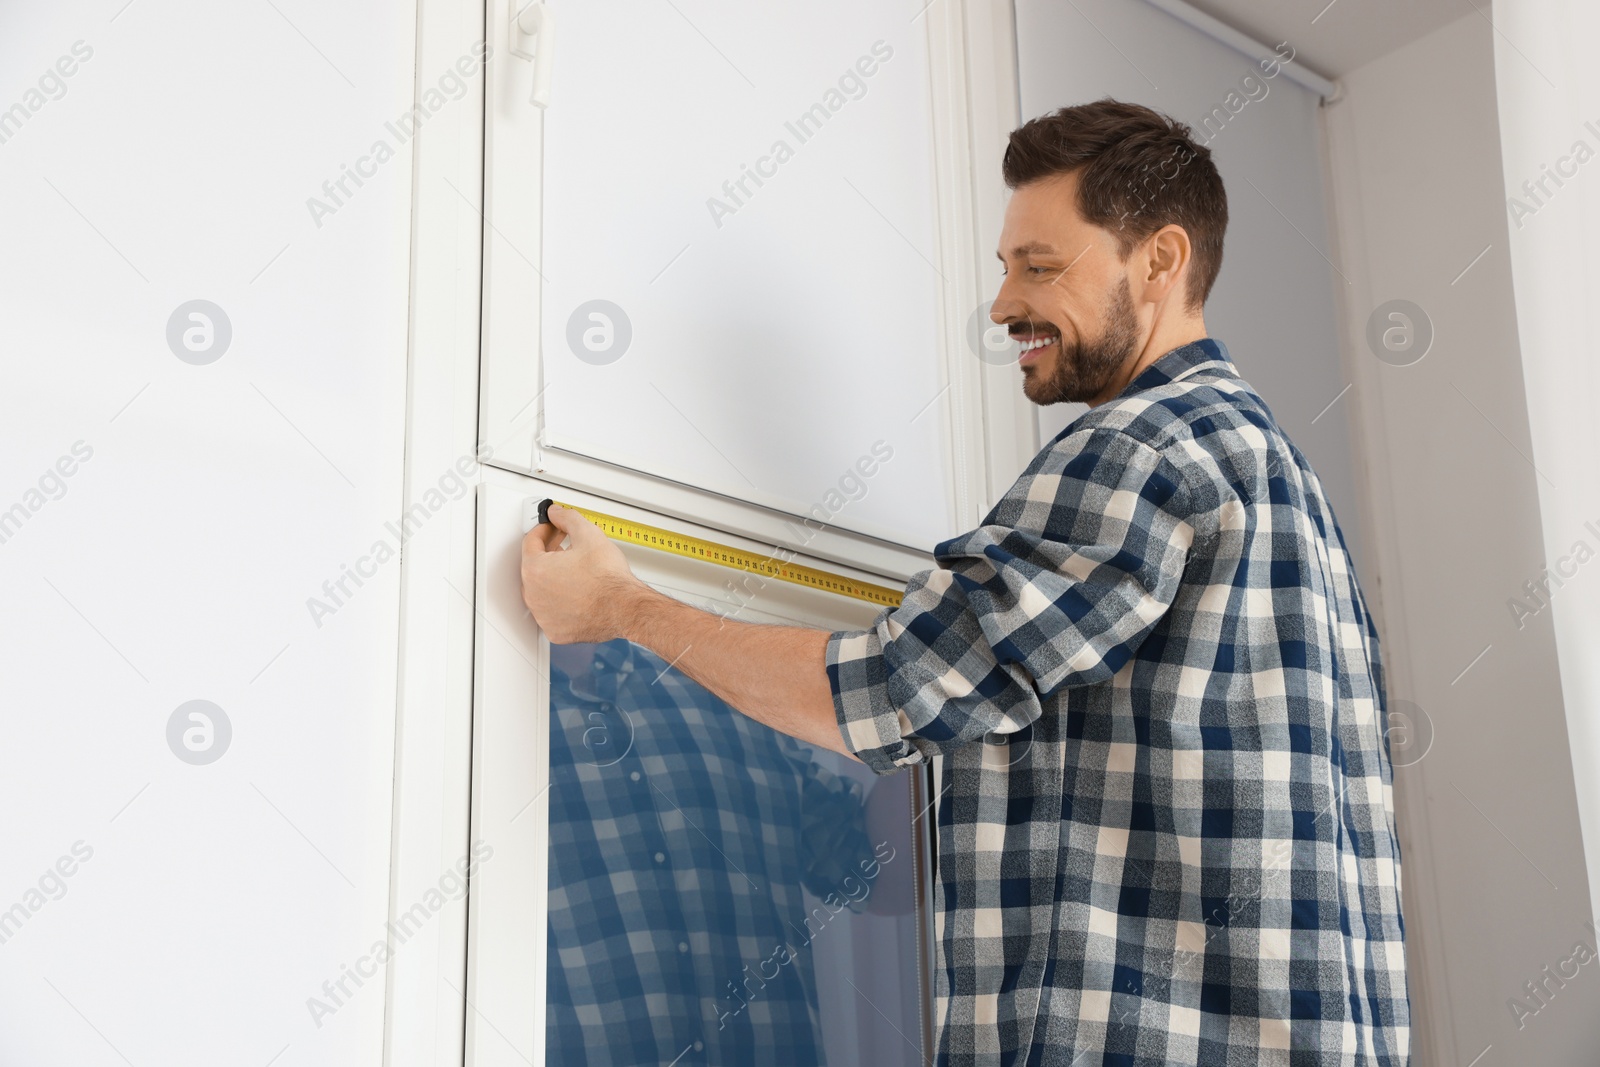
(660, 876)
(729, 275)
(735, 255)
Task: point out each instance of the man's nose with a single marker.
(1006, 306)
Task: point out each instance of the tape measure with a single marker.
(678, 544)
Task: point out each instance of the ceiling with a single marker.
(1346, 34)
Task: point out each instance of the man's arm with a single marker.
(777, 675)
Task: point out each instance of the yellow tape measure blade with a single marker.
(638, 533)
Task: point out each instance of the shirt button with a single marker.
(683, 946)
(634, 776)
(660, 858)
(699, 1046)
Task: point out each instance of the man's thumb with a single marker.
(570, 521)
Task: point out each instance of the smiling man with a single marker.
(1166, 828)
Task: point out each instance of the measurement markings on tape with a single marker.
(678, 544)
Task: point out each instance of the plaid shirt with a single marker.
(681, 837)
(1166, 822)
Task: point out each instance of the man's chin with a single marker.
(1041, 387)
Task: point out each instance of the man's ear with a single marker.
(1167, 255)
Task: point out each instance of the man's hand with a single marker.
(587, 593)
(580, 593)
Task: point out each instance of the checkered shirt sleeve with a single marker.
(1061, 594)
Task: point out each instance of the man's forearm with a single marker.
(774, 674)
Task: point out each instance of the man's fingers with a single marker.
(541, 539)
(532, 543)
(563, 522)
(570, 521)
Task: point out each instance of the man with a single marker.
(1189, 855)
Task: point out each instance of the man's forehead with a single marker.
(1041, 219)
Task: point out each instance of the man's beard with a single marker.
(1086, 370)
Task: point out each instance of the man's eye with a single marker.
(1042, 270)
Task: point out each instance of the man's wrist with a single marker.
(636, 604)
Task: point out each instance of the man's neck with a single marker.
(1163, 339)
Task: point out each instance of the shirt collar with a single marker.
(1182, 362)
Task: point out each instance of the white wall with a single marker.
(1549, 98)
(177, 563)
(1273, 304)
(1496, 886)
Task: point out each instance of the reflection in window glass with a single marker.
(719, 893)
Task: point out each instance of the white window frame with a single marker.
(426, 1013)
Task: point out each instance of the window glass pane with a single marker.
(738, 254)
(719, 893)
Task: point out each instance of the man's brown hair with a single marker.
(1138, 171)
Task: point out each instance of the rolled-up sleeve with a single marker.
(1065, 578)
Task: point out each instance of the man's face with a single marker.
(1065, 297)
